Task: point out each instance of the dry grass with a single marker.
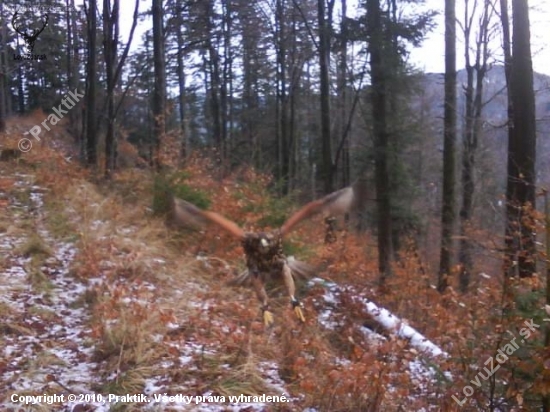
(35, 246)
(154, 302)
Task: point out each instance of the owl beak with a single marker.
(264, 242)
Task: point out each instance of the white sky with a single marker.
(430, 57)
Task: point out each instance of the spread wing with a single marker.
(336, 203)
(190, 215)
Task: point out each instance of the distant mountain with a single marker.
(495, 84)
(493, 143)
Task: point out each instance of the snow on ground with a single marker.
(418, 369)
(45, 336)
(46, 345)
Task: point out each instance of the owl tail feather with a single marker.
(300, 270)
(244, 279)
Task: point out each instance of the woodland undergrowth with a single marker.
(154, 289)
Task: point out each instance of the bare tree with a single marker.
(473, 93)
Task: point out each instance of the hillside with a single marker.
(494, 138)
(101, 298)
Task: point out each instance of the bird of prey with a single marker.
(263, 250)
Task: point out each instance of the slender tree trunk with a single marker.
(72, 68)
(546, 397)
(250, 108)
(3, 72)
(20, 90)
(70, 59)
(159, 93)
(250, 90)
(2, 106)
(342, 86)
(468, 187)
(70, 35)
(292, 97)
(449, 137)
(282, 98)
(215, 108)
(474, 105)
(226, 78)
(91, 80)
(184, 143)
(379, 116)
(324, 61)
(110, 40)
(509, 254)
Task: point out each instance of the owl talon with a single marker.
(268, 318)
(298, 310)
(299, 313)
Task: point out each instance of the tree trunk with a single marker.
(113, 70)
(2, 106)
(5, 69)
(379, 116)
(546, 397)
(226, 86)
(449, 137)
(324, 61)
(282, 99)
(91, 119)
(474, 106)
(520, 189)
(159, 93)
(73, 69)
(184, 143)
(342, 88)
(250, 59)
(20, 90)
(110, 40)
(3, 72)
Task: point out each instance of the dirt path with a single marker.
(45, 339)
(47, 345)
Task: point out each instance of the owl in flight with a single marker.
(263, 251)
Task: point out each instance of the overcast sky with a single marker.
(430, 56)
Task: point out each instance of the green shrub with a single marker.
(166, 186)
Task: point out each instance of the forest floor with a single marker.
(95, 303)
(102, 300)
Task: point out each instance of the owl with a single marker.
(264, 250)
